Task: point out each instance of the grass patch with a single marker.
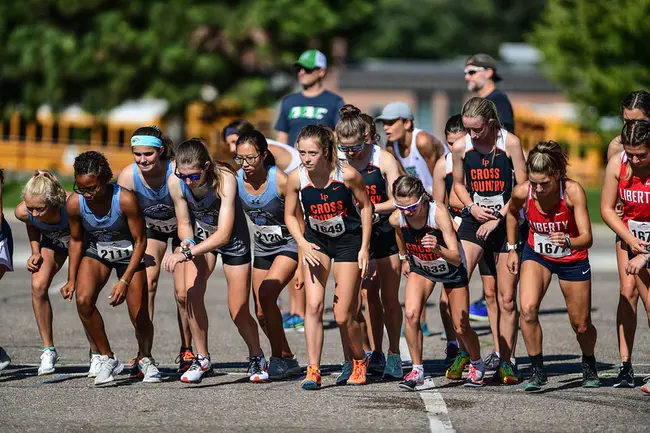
(593, 204)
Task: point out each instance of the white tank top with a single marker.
(295, 156)
(415, 164)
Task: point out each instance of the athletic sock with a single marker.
(589, 360)
(537, 360)
(419, 367)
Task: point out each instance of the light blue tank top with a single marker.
(107, 237)
(205, 216)
(156, 204)
(58, 234)
(266, 211)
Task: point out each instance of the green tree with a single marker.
(596, 50)
(436, 29)
(101, 52)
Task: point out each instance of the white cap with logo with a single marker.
(396, 110)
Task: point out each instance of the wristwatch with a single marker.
(499, 215)
(187, 253)
(402, 257)
(510, 247)
(467, 210)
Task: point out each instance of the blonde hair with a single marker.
(45, 185)
(548, 157)
(481, 108)
(325, 138)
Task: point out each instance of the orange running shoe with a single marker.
(184, 360)
(133, 366)
(312, 381)
(358, 376)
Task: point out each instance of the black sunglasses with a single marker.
(308, 70)
(91, 190)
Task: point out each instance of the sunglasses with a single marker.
(307, 70)
(472, 71)
(353, 148)
(193, 177)
(81, 191)
(410, 207)
(250, 160)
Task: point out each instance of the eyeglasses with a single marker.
(250, 160)
(473, 70)
(410, 207)
(193, 177)
(81, 191)
(353, 148)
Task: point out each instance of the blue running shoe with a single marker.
(425, 329)
(287, 321)
(478, 311)
(298, 323)
(346, 372)
(393, 369)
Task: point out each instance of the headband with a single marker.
(230, 131)
(146, 140)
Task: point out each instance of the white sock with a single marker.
(513, 361)
(497, 354)
(478, 363)
(419, 367)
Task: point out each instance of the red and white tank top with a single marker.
(561, 219)
(634, 193)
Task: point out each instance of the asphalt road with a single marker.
(67, 400)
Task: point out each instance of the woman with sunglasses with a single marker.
(426, 234)
(262, 190)
(6, 259)
(48, 229)
(488, 162)
(147, 177)
(107, 231)
(335, 229)
(206, 198)
(379, 169)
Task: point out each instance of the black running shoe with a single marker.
(589, 376)
(452, 352)
(625, 378)
(537, 380)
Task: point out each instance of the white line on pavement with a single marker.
(434, 404)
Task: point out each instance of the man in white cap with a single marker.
(415, 149)
(313, 104)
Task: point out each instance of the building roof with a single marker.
(430, 75)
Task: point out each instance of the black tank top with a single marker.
(329, 211)
(376, 187)
(489, 178)
(449, 184)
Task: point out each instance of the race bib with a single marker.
(332, 227)
(162, 226)
(268, 235)
(433, 267)
(115, 251)
(640, 230)
(545, 247)
(203, 230)
(495, 202)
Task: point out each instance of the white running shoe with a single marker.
(149, 370)
(94, 364)
(258, 369)
(48, 359)
(107, 369)
(200, 367)
(4, 359)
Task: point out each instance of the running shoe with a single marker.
(646, 388)
(95, 364)
(537, 380)
(377, 363)
(135, 372)
(475, 375)
(298, 324)
(108, 368)
(393, 369)
(49, 358)
(258, 369)
(425, 329)
(413, 379)
(287, 320)
(625, 378)
(443, 336)
(184, 360)
(589, 376)
(149, 370)
(358, 376)
(346, 372)
(507, 374)
(478, 311)
(201, 367)
(4, 359)
(312, 380)
(283, 368)
(455, 371)
(451, 352)
(492, 361)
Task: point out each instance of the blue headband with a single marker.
(230, 131)
(146, 140)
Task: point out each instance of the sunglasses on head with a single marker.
(90, 190)
(410, 207)
(353, 148)
(473, 70)
(193, 177)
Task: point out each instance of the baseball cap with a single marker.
(484, 61)
(396, 110)
(312, 59)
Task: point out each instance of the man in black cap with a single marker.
(481, 76)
